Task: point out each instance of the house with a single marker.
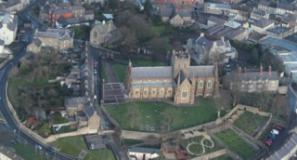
(179, 82)
(166, 12)
(94, 141)
(143, 153)
(261, 25)
(253, 81)
(15, 5)
(286, 52)
(60, 39)
(93, 119)
(271, 7)
(74, 104)
(103, 33)
(206, 51)
(8, 27)
(94, 1)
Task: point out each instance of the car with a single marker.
(274, 132)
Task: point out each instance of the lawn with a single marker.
(160, 116)
(74, 145)
(120, 71)
(236, 143)
(27, 152)
(71, 145)
(250, 122)
(103, 154)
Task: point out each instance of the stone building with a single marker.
(252, 82)
(8, 27)
(103, 33)
(179, 82)
(205, 51)
(60, 39)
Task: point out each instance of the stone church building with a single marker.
(179, 82)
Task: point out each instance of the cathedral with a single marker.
(180, 82)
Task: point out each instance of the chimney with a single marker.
(269, 70)
(223, 38)
(261, 69)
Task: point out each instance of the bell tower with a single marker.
(180, 61)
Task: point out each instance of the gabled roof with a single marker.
(151, 72)
(89, 111)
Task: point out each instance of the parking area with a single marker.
(113, 93)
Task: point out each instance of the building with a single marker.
(8, 27)
(103, 33)
(271, 7)
(142, 153)
(60, 39)
(74, 104)
(15, 5)
(206, 51)
(179, 82)
(261, 25)
(252, 82)
(286, 51)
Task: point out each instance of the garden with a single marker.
(235, 143)
(250, 123)
(74, 145)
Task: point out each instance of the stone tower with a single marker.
(180, 61)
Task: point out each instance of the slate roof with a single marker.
(94, 142)
(151, 72)
(254, 76)
(144, 150)
(166, 72)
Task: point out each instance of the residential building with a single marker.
(94, 1)
(182, 18)
(271, 7)
(143, 153)
(94, 142)
(179, 82)
(285, 50)
(253, 81)
(206, 51)
(8, 27)
(261, 25)
(15, 5)
(103, 33)
(74, 104)
(60, 39)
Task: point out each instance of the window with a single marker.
(200, 84)
(184, 94)
(209, 84)
(145, 92)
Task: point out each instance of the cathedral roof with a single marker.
(201, 71)
(151, 72)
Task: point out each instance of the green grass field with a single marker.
(74, 145)
(160, 116)
(27, 152)
(71, 145)
(103, 154)
(224, 157)
(250, 122)
(236, 143)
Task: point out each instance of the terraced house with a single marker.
(179, 82)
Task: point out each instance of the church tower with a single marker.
(180, 61)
